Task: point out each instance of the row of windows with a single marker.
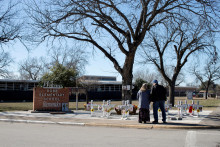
(17, 86)
(30, 86)
(105, 88)
(100, 78)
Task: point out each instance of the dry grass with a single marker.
(209, 104)
(19, 106)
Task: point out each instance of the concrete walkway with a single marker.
(205, 120)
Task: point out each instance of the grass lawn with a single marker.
(16, 106)
(209, 104)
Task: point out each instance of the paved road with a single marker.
(44, 135)
(213, 118)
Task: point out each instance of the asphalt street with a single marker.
(23, 128)
(44, 135)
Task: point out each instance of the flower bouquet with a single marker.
(87, 107)
(107, 110)
(132, 110)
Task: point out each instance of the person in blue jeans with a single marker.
(158, 97)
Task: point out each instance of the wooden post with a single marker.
(77, 98)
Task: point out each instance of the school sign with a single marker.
(50, 99)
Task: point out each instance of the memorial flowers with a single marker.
(118, 110)
(87, 107)
(132, 110)
(108, 109)
(135, 107)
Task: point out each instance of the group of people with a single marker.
(157, 95)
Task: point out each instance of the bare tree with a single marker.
(171, 46)
(34, 68)
(5, 61)
(9, 24)
(115, 27)
(31, 68)
(68, 57)
(145, 75)
(209, 74)
(9, 31)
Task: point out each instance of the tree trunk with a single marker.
(172, 94)
(127, 76)
(87, 99)
(206, 92)
(127, 87)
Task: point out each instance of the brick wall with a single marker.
(49, 99)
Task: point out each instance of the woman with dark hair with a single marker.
(143, 97)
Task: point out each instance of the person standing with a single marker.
(158, 97)
(143, 97)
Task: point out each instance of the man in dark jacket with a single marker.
(158, 97)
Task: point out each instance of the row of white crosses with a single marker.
(182, 108)
(125, 108)
(106, 108)
(193, 107)
(91, 106)
(168, 106)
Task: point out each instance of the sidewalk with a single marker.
(213, 118)
(206, 120)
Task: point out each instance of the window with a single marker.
(10, 86)
(112, 88)
(3, 86)
(17, 86)
(102, 87)
(117, 87)
(31, 86)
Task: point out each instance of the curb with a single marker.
(41, 122)
(140, 126)
(153, 126)
(186, 127)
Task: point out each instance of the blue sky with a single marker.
(98, 64)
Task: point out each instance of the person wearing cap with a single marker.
(158, 97)
(143, 97)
